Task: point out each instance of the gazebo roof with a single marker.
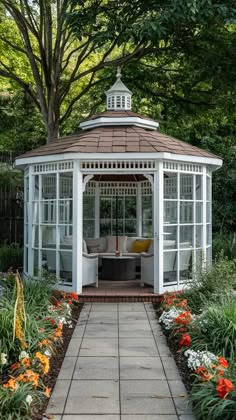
(118, 139)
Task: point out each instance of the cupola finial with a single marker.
(119, 96)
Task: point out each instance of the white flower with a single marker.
(47, 353)
(29, 399)
(167, 317)
(23, 355)
(3, 358)
(200, 358)
(62, 320)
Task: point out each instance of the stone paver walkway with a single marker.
(118, 367)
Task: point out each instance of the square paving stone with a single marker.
(58, 397)
(104, 307)
(129, 317)
(67, 368)
(74, 346)
(152, 316)
(97, 368)
(141, 368)
(135, 331)
(170, 368)
(103, 318)
(78, 331)
(91, 417)
(163, 349)
(99, 347)
(179, 393)
(187, 417)
(138, 347)
(101, 331)
(146, 397)
(131, 307)
(149, 417)
(55, 417)
(93, 397)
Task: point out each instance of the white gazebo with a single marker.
(118, 178)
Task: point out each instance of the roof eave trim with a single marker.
(106, 121)
(216, 163)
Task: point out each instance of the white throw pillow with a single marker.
(111, 243)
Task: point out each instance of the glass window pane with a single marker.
(186, 187)
(170, 267)
(48, 236)
(170, 185)
(35, 236)
(49, 258)
(35, 212)
(118, 227)
(208, 210)
(118, 207)
(48, 210)
(89, 229)
(147, 207)
(208, 191)
(170, 237)
(209, 239)
(65, 236)
(105, 228)
(198, 261)
(186, 212)
(199, 213)
(65, 211)
(198, 187)
(36, 188)
(208, 257)
(66, 185)
(36, 262)
(186, 236)
(198, 236)
(65, 259)
(49, 183)
(130, 207)
(130, 227)
(89, 206)
(105, 208)
(147, 228)
(170, 212)
(185, 265)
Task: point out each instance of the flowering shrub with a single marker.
(167, 318)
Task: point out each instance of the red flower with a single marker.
(70, 302)
(224, 387)
(185, 340)
(223, 362)
(204, 373)
(184, 318)
(73, 296)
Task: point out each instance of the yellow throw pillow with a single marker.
(141, 245)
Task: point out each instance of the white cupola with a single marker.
(118, 96)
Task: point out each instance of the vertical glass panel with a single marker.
(36, 266)
(147, 207)
(208, 257)
(170, 212)
(185, 265)
(89, 206)
(49, 257)
(130, 207)
(208, 212)
(209, 239)
(199, 212)
(186, 212)
(170, 185)
(65, 211)
(65, 258)
(170, 237)
(105, 208)
(35, 236)
(48, 211)
(49, 183)
(186, 236)
(170, 267)
(48, 236)
(208, 190)
(65, 236)
(118, 207)
(198, 237)
(186, 186)
(117, 227)
(35, 212)
(26, 214)
(89, 229)
(36, 188)
(66, 185)
(105, 228)
(130, 227)
(198, 187)
(199, 260)
(147, 228)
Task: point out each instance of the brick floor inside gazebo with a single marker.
(119, 291)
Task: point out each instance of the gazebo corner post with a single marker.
(97, 211)
(158, 228)
(204, 233)
(30, 223)
(77, 280)
(139, 227)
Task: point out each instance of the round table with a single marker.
(118, 268)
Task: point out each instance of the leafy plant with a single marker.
(11, 256)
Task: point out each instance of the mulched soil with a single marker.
(57, 359)
(178, 355)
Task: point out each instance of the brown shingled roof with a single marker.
(119, 139)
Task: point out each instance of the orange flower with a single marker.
(204, 373)
(224, 387)
(15, 366)
(223, 362)
(44, 362)
(44, 342)
(184, 318)
(29, 376)
(11, 384)
(25, 362)
(47, 391)
(185, 340)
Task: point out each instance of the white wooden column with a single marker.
(30, 223)
(97, 211)
(204, 217)
(139, 225)
(158, 228)
(77, 228)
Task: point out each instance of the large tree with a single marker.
(65, 44)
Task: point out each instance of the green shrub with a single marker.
(210, 286)
(224, 244)
(11, 256)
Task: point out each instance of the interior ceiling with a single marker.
(119, 178)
